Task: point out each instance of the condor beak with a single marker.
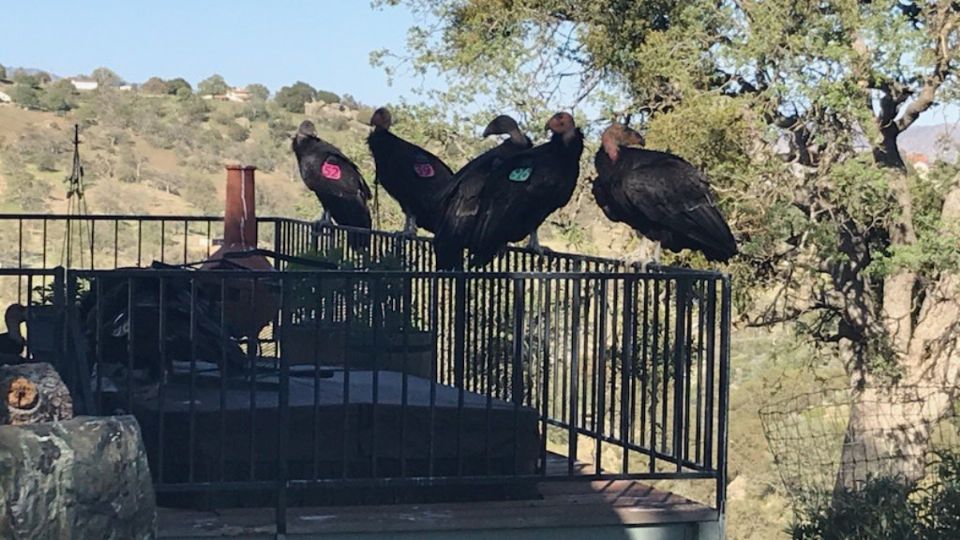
(488, 132)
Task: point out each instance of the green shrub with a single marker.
(179, 87)
(881, 509)
(327, 97)
(292, 98)
(27, 192)
(237, 133)
(887, 508)
(213, 85)
(155, 86)
(258, 92)
(46, 163)
(26, 96)
(940, 519)
(59, 97)
(194, 110)
(202, 194)
(255, 111)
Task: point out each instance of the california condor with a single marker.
(462, 204)
(333, 177)
(660, 195)
(414, 177)
(523, 190)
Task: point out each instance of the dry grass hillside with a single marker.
(165, 155)
(128, 172)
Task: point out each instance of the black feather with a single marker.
(461, 206)
(398, 162)
(510, 210)
(664, 198)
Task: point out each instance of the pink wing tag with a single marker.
(330, 170)
(424, 170)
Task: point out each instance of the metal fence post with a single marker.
(283, 437)
(459, 353)
(574, 381)
(626, 368)
(277, 238)
(679, 344)
(518, 368)
(725, 319)
(63, 331)
(459, 329)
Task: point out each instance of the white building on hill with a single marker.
(84, 85)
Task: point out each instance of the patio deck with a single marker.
(603, 509)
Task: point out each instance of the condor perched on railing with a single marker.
(661, 196)
(462, 205)
(334, 178)
(525, 189)
(414, 177)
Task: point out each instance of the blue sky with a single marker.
(326, 43)
(323, 42)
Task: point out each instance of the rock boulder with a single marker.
(82, 478)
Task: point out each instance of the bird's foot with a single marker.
(642, 258)
(409, 228)
(654, 264)
(539, 249)
(635, 259)
(649, 265)
(325, 219)
(319, 225)
(533, 244)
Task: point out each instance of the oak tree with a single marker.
(795, 110)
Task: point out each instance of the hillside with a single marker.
(156, 155)
(164, 155)
(939, 141)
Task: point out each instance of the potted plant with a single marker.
(332, 319)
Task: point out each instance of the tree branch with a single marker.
(943, 67)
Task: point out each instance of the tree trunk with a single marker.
(889, 433)
(890, 428)
(33, 393)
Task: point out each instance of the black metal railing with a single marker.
(117, 241)
(544, 367)
(104, 242)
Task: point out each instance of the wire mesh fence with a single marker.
(834, 438)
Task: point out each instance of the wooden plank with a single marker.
(428, 518)
(563, 504)
(573, 503)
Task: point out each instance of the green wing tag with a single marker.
(521, 175)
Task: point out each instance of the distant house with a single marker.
(84, 85)
(238, 95)
(920, 162)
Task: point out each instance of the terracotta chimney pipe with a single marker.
(240, 215)
(240, 235)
